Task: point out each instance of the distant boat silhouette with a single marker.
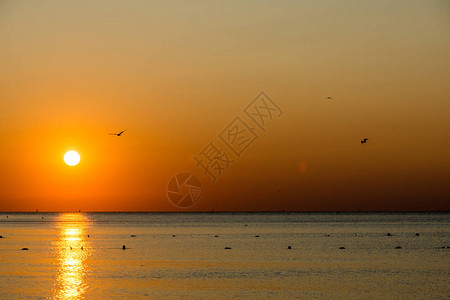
(118, 134)
(364, 141)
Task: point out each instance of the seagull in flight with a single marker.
(364, 141)
(118, 134)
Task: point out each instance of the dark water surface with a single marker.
(177, 255)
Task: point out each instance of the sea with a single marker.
(225, 255)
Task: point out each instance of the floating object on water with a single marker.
(173, 235)
(216, 236)
(256, 235)
(24, 248)
(341, 247)
(227, 248)
(289, 247)
(388, 234)
(133, 235)
(123, 247)
(398, 247)
(417, 234)
(1, 236)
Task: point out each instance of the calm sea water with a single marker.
(183, 255)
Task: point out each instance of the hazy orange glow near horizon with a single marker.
(175, 73)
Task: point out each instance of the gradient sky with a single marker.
(175, 73)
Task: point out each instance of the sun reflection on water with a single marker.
(72, 251)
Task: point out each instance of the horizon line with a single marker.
(238, 211)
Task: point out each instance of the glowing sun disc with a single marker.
(72, 158)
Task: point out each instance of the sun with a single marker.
(72, 158)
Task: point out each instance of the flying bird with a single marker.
(364, 141)
(118, 134)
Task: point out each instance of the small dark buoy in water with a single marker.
(245, 225)
(24, 248)
(388, 234)
(289, 247)
(216, 236)
(398, 247)
(133, 235)
(342, 248)
(123, 247)
(417, 234)
(173, 235)
(227, 248)
(256, 235)
(42, 218)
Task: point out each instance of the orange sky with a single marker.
(176, 73)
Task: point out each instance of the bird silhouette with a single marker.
(118, 134)
(364, 141)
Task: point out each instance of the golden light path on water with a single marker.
(72, 251)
